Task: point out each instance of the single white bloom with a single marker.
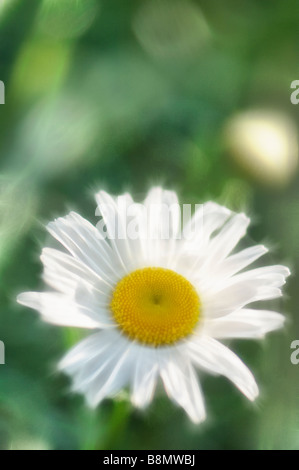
(158, 306)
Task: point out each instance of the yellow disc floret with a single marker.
(155, 306)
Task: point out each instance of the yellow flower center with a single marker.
(155, 306)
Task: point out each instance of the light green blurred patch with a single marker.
(55, 135)
(5, 6)
(66, 18)
(18, 205)
(72, 336)
(26, 442)
(171, 29)
(237, 194)
(197, 163)
(40, 68)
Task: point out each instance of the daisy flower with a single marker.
(159, 298)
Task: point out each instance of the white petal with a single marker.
(268, 275)
(210, 355)
(95, 365)
(232, 294)
(226, 240)
(181, 385)
(206, 258)
(236, 296)
(113, 377)
(208, 218)
(191, 258)
(116, 215)
(86, 350)
(62, 310)
(84, 242)
(56, 309)
(87, 371)
(106, 362)
(145, 377)
(64, 273)
(158, 224)
(238, 261)
(245, 323)
(100, 366)
(163, 227)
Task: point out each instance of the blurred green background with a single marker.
(107, 94)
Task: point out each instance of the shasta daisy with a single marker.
(158, 305)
